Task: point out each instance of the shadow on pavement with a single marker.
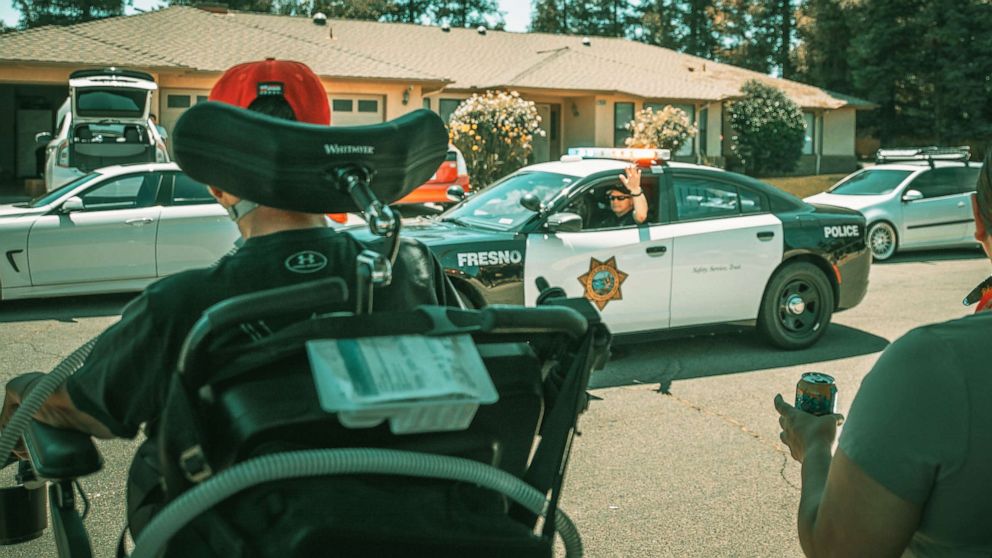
(662, 362)
(928, 256)
(64, 309)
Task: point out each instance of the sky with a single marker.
(517, 12)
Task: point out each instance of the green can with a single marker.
(816, 393)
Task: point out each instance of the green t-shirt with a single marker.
(921, 425)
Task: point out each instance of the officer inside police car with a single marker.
(628, 203)
(123, 383)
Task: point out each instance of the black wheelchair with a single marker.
(255, 463)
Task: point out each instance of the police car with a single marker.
(717, 248)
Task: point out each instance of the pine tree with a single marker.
(372, 10)
(548, 16)
(658, 23)
(698, 34)
(821, 57)
(409, 11)
(467, 13)
(264, 6)
(35, 13)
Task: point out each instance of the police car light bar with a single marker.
(929, 154)
(624, 154)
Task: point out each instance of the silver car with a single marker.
(912, 205)
(115, 229)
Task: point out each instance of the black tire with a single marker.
(883, 241)
(796, 307)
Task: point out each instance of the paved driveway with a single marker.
(679, 454)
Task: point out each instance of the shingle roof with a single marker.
(183, 37)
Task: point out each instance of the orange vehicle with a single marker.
(453, 171)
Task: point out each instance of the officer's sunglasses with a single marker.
(621, 197)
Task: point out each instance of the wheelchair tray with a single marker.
(294, 166)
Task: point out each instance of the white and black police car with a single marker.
(717, 249)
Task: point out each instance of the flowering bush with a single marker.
(668, 128)
(770, 130)
(494, 132)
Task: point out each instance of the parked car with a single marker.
(105, 121)
(434, 193)
(922, 202)
(112, 230)
(717, 249)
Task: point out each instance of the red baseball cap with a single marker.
(294, 81)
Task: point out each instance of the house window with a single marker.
(177, 101)
(427, 103)
(201, 99)
(447, 107)
(623, 113)
(687, 148)
(810, 119)
(368, 106)
(342, 105)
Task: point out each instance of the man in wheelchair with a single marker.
(129, 380)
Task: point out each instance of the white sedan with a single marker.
(116, 229)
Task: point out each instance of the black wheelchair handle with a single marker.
(545, 319)
(323, 294)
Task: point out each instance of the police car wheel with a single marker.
(882, 240)
(796, 307)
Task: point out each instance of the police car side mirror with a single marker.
(455, 193)
(42, 138)
(72, 204)
(564, 222)
(912, 195)
(531, 202)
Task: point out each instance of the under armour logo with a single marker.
(306, 262)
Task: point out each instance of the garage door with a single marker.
(357, 110)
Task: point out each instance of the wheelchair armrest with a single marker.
(58, 454)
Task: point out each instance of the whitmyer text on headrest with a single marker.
(335, 149)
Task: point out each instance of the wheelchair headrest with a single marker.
(294, 166)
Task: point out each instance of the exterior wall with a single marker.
(579, 123)
(714, 129)
(838, 132)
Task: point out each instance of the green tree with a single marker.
(372, 10)
(409, 11)
(769, 128)
(917, 60)
(548, 16)
(744, 34)
(824, 33)
(495, 132)
(467, 13)
(657, 23)
(265, 6)
(35, 13)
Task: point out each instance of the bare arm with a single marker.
(631, 179)
(842, 510)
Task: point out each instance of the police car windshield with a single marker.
(872, 182)
(498, 206)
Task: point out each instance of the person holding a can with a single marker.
(912, 473)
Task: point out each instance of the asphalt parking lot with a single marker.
(679, 452)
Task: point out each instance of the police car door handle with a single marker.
(139, 221)
(656, 250)
(766, 235)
